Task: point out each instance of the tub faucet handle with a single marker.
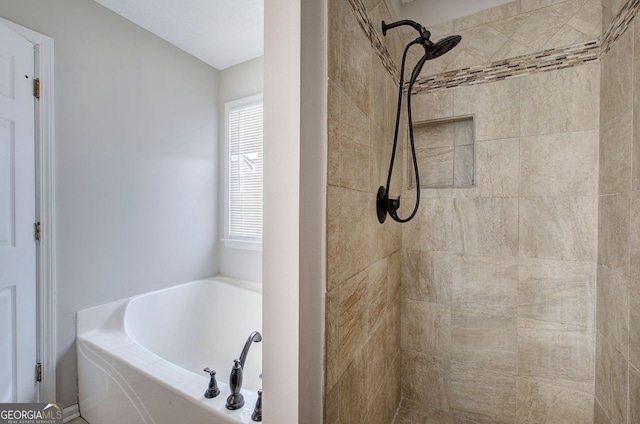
(212, 390)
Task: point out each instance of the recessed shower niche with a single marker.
(445, 152)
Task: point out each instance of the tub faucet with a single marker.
(236, 399)
(254, 337)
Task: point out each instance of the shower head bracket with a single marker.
(386, 205)
(381, 204)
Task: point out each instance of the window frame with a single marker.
(245, 243)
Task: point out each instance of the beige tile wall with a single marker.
(483, 308)
(517, 28)
(610, 9)
(498, 280)
(362, 361)
(617, 388)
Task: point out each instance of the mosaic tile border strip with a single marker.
(619, 24)
(376, 42)
(547, 60)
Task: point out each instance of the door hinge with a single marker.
(36, 88)
(38, 231)
(39, 371)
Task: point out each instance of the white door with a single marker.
(17, 217)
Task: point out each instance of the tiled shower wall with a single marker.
(611, 8)
(617, 377)
(498, 293)
(362, 361)
(498, 281)
(514, 29)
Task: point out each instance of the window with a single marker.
(244, 164)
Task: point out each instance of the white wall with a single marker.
(431, 12)
(281, 243)
(236, 82)
(295, 215)
(136, 162)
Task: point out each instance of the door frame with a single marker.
(45, 208)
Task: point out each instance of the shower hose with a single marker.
(393, 210)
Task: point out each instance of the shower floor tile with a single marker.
(414, 413)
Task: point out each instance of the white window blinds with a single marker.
(245, 171)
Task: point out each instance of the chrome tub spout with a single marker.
(254, 337)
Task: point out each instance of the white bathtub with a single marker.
(140, 360)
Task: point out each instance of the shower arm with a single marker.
(424, 33)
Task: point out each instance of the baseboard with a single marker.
(70, 412)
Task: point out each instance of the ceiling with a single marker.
(221, 33)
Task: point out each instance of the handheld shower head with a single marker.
(432, 51)
(441, 47)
